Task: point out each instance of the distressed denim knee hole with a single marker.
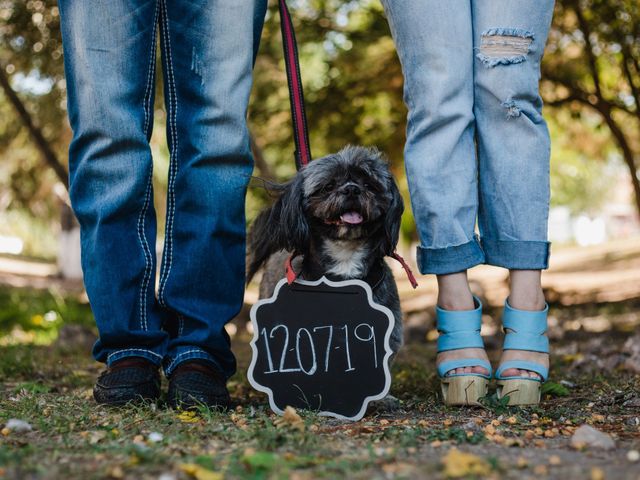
(504, 46)
(513, 110)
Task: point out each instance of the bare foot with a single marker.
(464, 353)
(454, 294)
(526, 294)
(534, 357)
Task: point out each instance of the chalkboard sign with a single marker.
(322, 346)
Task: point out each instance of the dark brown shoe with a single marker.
(126, 380)
(194, 383)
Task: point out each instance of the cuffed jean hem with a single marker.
(172, 361)
(517, 254)
(150, 355)
(442, 261)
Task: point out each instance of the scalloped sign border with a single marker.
(326, 281)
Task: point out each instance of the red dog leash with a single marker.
(296, 95)
(299, 119)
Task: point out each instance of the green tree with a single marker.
(593, 64)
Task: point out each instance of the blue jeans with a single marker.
(477, 145)
(208, 50)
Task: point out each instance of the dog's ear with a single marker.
(283, 226)
(391, 220)
(289, 218)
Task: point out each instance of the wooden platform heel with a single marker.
(461, 329)
(525, 330)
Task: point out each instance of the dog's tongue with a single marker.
(351, 217)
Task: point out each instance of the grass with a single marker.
(72, 437)
(49, 386)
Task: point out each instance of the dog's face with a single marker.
(347, 195)
(350, 195)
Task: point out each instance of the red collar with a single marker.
(292, 275)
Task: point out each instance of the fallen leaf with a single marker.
(116, 472)
(458, 464)
(554, 389)
(95, 437)
(261, 460)
(200, 473)
(541, 470)
(597, 474)
(290, 418)
(188, 416)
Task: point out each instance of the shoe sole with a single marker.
(464, 390)
(520, 392)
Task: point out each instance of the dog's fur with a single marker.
(341, 216)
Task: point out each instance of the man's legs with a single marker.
(208, 50)
(109, 54)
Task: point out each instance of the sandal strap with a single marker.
(459, 328)
(522, 365)
(525, 329)
(449, 365)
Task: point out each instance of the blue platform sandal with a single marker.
(525, 330)
(461, 329)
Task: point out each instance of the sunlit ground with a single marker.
(46, 376)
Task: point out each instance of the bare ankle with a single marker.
(526, 290)
(454, 292)
(528, 301)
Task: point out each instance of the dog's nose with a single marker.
(351, 190)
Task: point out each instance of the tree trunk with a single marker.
(627, 155)
(41, 143)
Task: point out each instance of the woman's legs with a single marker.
(525, 294)
(454, 294)
(434, 40)
(513, 148)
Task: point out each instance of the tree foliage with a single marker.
(593, 65)
(353, 88)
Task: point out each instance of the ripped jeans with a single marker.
(207, 49)
(477, 145)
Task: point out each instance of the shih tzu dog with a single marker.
(339, 217)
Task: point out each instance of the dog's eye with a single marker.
(328, 186)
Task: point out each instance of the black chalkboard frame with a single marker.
(319, 283)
